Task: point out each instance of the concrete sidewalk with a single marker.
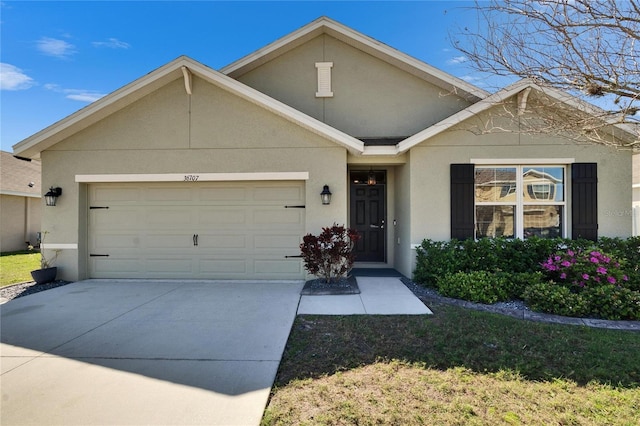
(378, 296)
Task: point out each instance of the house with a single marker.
(189, 172)
(20, 202)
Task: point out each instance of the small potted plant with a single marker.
(47, 273)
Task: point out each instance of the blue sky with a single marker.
(57, 57)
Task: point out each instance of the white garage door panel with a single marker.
(243, 230)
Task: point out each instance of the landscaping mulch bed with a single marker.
(319, 287)
(15, 291)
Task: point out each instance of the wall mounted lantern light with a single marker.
(51, 197)
(371, 180)
(325, 195)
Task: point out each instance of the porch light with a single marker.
(371, 180)
(325, 195)
(51, 197)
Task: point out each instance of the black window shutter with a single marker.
(584, 201)
(462, 201)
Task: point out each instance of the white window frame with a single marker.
(520, 202)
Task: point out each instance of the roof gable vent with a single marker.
(324, 79)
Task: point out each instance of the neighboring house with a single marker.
(20, 203)
(189, 172)
(636, 194)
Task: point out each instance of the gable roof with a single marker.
(495, 99)
(324, 25)
(181, 67)
(19, 177)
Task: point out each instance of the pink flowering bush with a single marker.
(584, 269)
(330, 254)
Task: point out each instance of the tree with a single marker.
(587, 48)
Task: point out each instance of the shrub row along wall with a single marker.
(565, 277)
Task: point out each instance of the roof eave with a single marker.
(367, 44)
(32, 146)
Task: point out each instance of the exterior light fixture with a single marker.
(371, 180)
(325, 195)
(51, 197)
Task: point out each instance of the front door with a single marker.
(368, 215)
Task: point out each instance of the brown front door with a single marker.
(368, 217)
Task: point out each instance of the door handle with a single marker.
(195, 239)
(377, 226)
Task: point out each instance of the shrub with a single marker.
(555, 299)
(436, 259)
(329, 255)
(518, 282)
(613, 302)
(582, 269)
(478, 286)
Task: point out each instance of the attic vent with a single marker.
(324, 79)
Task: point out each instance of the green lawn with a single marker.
(16, 267)
(457, 367)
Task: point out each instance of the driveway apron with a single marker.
(107, 352)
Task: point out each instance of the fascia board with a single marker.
(360, 41)
(32, 146)
(459, 117)
(83, 118)
(286, 43)
(19, 194)
(354, 145)
(405, 62)
(380, 150)
(495, 99)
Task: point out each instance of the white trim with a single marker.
(636, 185)
(19, 194)
(192, 177)
(524, 161)
(380, 150)
(59, 246)
(33, 145)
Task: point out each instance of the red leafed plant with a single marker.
(329, 255)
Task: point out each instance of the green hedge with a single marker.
(492, 270)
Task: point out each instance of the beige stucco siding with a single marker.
(403, 253)
(20, 217)
(212, 132)
(371, 97)
(430, 176)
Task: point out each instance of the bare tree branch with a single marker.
(588, 48)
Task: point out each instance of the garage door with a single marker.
(201, 230)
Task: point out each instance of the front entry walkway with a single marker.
(378, 296)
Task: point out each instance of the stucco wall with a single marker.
(371, 98)
(20, 218)
(430, 176)
(172, 132)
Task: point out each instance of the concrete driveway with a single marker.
(109, 352)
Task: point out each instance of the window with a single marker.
(520, 201)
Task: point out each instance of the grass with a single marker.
(457, 367)
(16, 267)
